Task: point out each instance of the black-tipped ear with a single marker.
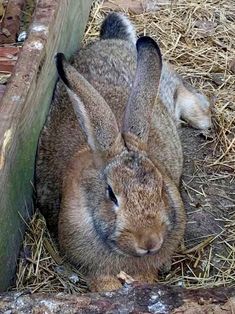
(60, 59)
(94, 115)
(146, 42)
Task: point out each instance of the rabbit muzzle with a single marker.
(148, 244)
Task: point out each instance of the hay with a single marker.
(202, 53)
(40, 268)
(197, 37)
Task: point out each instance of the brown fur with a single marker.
(86, 248)
(143, 169)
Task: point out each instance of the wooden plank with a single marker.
(134, 298)
(57, 26)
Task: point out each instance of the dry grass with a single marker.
(202, 52)
(40, 267)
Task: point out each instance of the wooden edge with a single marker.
(20, 83)
(56, 26)
(134, 298)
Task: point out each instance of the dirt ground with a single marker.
(209, 197)
(208, 194)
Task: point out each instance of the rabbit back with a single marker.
(114, 85)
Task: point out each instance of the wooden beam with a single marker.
(134, 298)
(57, 26)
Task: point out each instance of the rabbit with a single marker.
(110, 160)
(183, 101)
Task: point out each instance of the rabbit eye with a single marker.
(112, 195)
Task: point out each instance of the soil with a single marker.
(208, 193)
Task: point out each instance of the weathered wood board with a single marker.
(57, 26)
(135, 299)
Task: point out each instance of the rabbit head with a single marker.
(134, 196)
(130, 204)
(193, 107)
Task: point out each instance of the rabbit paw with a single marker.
(104, 283)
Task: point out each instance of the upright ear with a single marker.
(140, 105)
(95, 116)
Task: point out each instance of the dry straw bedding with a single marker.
(198, 38)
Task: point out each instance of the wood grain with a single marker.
(135, 298)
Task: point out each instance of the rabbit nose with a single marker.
(149, 245)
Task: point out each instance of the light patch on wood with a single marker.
(50, 305)
(36, 45)
(6, 141)
(15, 98)
(40, 28)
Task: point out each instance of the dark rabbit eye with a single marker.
(112, 195)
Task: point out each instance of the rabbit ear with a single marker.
(95, 116)
(140, 105)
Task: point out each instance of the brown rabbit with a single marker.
(110, 161)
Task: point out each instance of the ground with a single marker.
(208, 195)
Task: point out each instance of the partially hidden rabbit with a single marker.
(110, 160)
(183, 101)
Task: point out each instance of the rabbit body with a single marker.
(115, 192)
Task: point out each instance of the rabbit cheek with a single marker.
(200, 119)
(204, 119)
(197, 115)
(104, 221)
(123, 238)
(126, 244)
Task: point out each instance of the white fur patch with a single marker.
(129, 28)
(193, 110)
